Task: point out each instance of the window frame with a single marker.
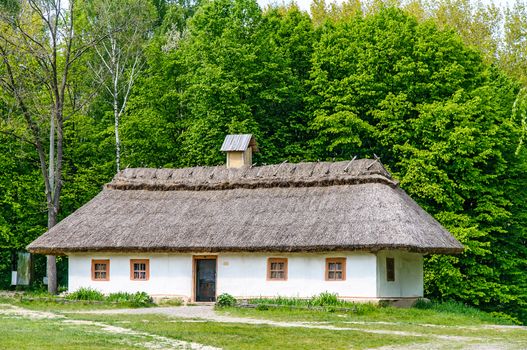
(269, 271)
(390, 273)
(147, 269)
(93, 271)
(342, 261)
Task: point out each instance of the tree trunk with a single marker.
(51, 272)
(51, 260)
(117, 139)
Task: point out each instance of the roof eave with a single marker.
(281, 249)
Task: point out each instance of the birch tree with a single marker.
(125, 27)
(38, 49)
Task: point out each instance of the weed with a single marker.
(225, 300)
(86, 294)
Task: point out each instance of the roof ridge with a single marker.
(311, 174)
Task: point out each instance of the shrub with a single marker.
(140, 299)
(325, 299)
(134, 299)
(423, 304)
(171, 302)
(225, 300)
(119, 297)
(86, 294)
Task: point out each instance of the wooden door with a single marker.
(206, 280)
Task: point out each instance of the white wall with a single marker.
(245, 275)
(169, 274)
(408, 275)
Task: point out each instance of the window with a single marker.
(100, 270)
(390, 269)
(139, 270)
(277, 269)
(335, 269)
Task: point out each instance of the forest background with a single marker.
(436, 89)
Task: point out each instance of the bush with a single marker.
(328, 302)
(86, 294)
(134, 299)
(423, 304)
(225, 300)
(171, 302)
(326, 299)
(140, 299)
(119, 297)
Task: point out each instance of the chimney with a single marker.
(239, 149)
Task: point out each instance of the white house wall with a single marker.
(245, 275)
(241, 275)
(169, 274)
(408, 275)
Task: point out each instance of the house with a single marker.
(251, 231)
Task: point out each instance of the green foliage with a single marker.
(456, 307)
(324, 301)
(352, 80)
(86, 294)
(439, 117)
(138, 299)
(225, 300)
(171, 302)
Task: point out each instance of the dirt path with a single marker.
(143, 339)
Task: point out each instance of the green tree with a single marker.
(236, 70)
(120, 30)
(38, 48)
(440, 117)
(513, 55)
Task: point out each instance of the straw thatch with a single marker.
(281, 208)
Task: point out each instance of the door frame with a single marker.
(195, 259)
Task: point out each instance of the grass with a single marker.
(171, 302)
(24, 333)
(445, 313)
(321, 300)
(51, 334)
(82, 299)
(246, 336)
(51, 303)
(430, 324)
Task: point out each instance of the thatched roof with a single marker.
(325, 206)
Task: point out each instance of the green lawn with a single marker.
(244, 336)
(450, 326)
(66, 305)
(426, 322)
(25, 333)
(438, 314)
